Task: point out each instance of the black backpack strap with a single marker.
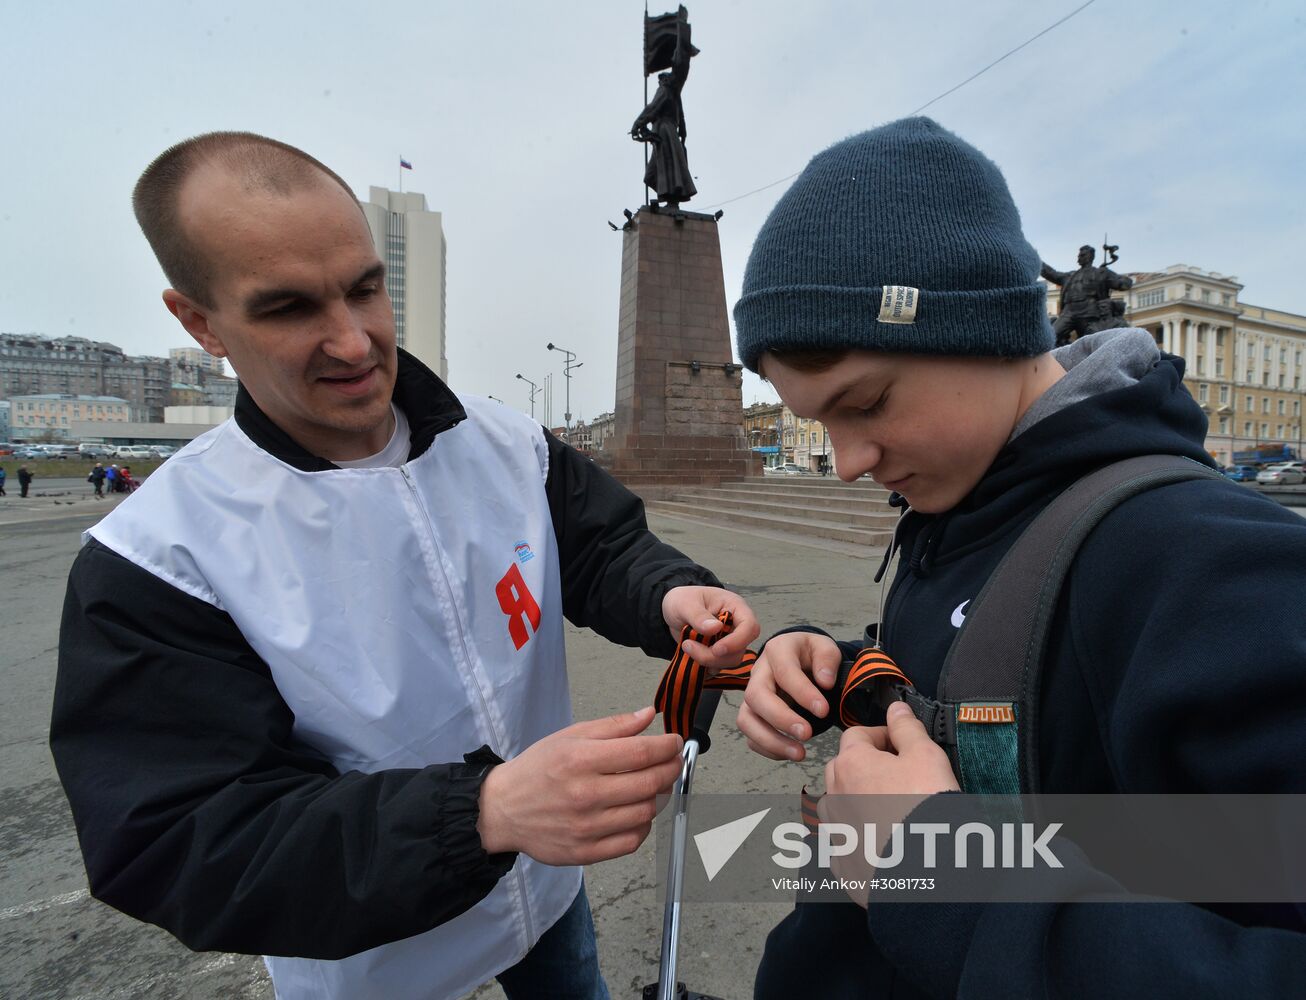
(993, 670)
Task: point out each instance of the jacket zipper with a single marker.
(519, 876)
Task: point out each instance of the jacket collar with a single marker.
(429, 405)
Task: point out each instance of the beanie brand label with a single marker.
(898, 304)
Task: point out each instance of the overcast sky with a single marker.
(1178, 128)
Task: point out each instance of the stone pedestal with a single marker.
(679, 410)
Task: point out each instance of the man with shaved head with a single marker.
(312, 698)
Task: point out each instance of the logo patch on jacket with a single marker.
(518, 603)
(523, 552)
(959, 614)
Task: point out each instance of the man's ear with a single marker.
(196, 321)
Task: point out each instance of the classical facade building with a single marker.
(762, 427)
(32, 364)
(601, 429)
(1244, 364)
(51, 416)
(786, 439)
(410, 239)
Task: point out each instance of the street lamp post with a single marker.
(569, 364)
(533, 390)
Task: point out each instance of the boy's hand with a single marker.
(787, 664)
(895, 759)
(584, 794)
(698, 608)
(879, 776)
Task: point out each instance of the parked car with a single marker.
(94, 451)
(1283, 474)
(162, 450)
(29, 452)
(59, 451)
(1242, 473)
(790, 469)
(133, 451)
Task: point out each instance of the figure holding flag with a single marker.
(662, 123)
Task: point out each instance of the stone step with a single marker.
(755, 488)
(844, 510)
(785, 522)
(818, 483)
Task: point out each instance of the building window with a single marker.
(1206, 295)
(1219, 367)
(1283, 405)
(1226, 299)
(1224, 425)
(1265, 430)
(1247, 429)
(1265, 404)
(1249, 404)
(1224, 395)
(1203, 393)
(1296, 408)
(1151, 298)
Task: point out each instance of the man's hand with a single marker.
(787, 664)
(586, 793)
(698, 608)
(879, 776)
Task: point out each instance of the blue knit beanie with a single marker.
(904, 239)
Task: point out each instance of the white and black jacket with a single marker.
(275, 675)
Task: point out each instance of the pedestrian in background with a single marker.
(24, 480)
(96, 479)
(3, 474)
(111, 477)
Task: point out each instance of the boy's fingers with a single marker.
(865, 736)
(764, 739)
(904, 729)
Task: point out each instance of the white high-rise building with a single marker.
(410, 239)
(192, 360)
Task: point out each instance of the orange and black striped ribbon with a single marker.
(871, 664)
(685, 678)
(811, 818)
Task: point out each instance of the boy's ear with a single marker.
(195, 319)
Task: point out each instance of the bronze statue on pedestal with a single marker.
(662, 122)
(1086, 303)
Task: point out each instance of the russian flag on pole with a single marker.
(404, 164)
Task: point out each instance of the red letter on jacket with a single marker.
(517, 603)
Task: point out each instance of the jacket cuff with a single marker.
(658, 640)
(457, 837)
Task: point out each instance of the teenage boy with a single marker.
(892, 296)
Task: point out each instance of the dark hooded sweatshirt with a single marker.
(1176, 663)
